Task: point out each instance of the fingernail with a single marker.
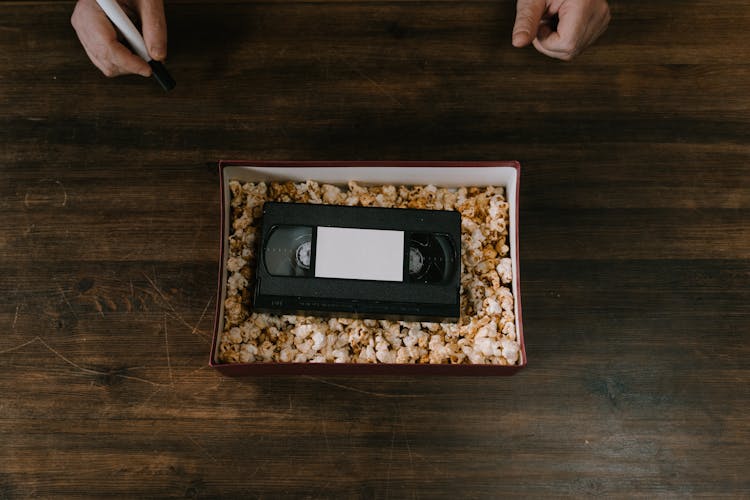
(158, 52)
(520, 39)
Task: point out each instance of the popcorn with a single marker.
(485, 334)
(505, 270)
(331, 194)
(248, 352)
(510, 350)
(318, 339)
(235, 283)
(234, 335)
(492, 307)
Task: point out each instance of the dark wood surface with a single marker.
(635, 253)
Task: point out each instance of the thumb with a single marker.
(154, 26)
(528, 15)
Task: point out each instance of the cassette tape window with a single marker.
(484, 334)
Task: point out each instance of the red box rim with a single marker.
(281, 368)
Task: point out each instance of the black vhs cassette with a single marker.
(372, 262)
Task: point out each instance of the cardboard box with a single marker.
(441, 174)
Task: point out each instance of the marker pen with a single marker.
(123, 23)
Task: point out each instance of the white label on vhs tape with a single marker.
(359, 254)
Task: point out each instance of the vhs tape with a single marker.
(369, 262)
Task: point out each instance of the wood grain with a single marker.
(635, 253)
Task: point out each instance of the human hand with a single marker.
(99, 38)
(580, 23)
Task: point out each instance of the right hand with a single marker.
(99, 38)
(581, 22)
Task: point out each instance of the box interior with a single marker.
(487, 174)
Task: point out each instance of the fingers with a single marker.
(120, 61)
(581, 22)
(528, 15)
(154, 26)
(565, 42)
(99, 39)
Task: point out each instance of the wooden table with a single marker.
(635, 253)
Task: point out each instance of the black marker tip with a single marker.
(162, 75)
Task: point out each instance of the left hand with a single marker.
(580, 23)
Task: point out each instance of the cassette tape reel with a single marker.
(431, 258)
(288, 251)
